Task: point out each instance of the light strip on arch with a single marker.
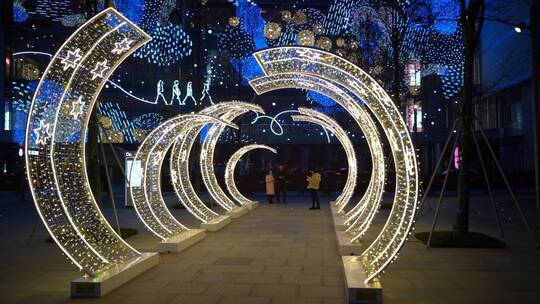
(147, 197)
(327, 66)
(179, 161)
(207, 162)
(56, 135)
(361, 215)
(327, 122)
(231, 166)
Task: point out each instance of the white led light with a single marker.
(231, 166)
(278, 62)
(55, 141)
(147, 198)
(180, 160)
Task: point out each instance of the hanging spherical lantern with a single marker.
(305, 38)
(300, 18)
(318, 29)
(286, 16)
(234, 21)
(324, 43)
(340, 42)
(272, 30)
(106, 122)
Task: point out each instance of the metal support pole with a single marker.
(509, 189)
(488, 184)
(439, 202)
(111, 190)
(443, 152)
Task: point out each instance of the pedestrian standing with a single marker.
(270, 189)
(281, 184)
(314, 181)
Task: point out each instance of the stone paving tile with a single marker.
(286, 300)
(184, 288)
(322, 291)
(229, 289)
(258, 278)
(301, 279)
(195, 299)
(245, 300)
(273, 290)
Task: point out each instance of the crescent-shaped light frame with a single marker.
(207, 162)
(318, 118)
(361, 215)
(277, 62)
(56, 137)
(147, 197)
(231, 167)
(179, 161)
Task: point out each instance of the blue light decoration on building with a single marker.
(19, 12)
(53, 10)
(446, 16)
(169, 44)
(337, 20)
(147, 121)
(131, 9)
(119, 119)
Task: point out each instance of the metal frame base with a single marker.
(118, 275)
(182, 241)
(237, 212)
(216, 224)
(345, 247)
(358, 291)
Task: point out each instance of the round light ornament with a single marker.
(318, 29)
(300, 18)
(324, 43)
(306, 38)
(272, 30)
(234, 21)
(106, 122)
(286, 15)
(340, 42)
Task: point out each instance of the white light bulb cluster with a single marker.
(146, 197)
(231, 166)
(179, 161)
(312, 116)
(56, 136)
(207, 161)
(278, 63)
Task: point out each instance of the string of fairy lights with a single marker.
(277, 63)
(231, 167)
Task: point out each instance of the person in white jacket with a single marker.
(270, 189)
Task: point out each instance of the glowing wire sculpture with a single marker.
(147, 198)
(326, 122)
(207, 162)
(360, 216)
(278, 62)
(231, 166)
(180, 160)
(55, 140)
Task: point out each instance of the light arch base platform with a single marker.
(55, 153)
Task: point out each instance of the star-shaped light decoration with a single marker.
(122, 46)
(77, 108)
(72, 59)
(42, 133)
(100, 69)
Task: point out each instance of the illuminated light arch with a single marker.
(359, 218)
(277, 62)
(179, 161)
(207, 162)
(146, 196)
(231, 166)
(56, 136)
(318, 118)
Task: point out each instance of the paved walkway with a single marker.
(277, 254)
